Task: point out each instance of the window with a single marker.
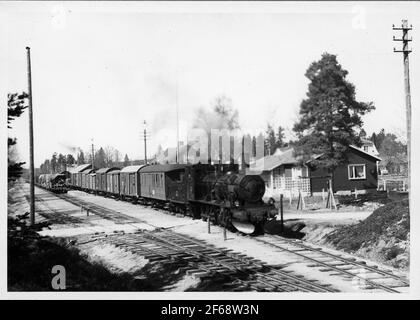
(176, 176)
(357, 171)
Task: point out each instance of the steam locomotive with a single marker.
(53, 182)
(219, 193)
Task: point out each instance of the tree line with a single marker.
(103, 157)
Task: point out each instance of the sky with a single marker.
(100, 69)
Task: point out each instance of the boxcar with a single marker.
(113, 182)
(76, 175)
(101, 181)
(85, 179)
(165, 182)
(92, 181)
(130, 181)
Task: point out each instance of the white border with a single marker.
(206, 7)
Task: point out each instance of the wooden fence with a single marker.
(392, 183)
(293, 185)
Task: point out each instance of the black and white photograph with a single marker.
(210, 150)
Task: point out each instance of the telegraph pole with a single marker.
(406, 51)
(145, 145)
(31, 141)
(93, 154)
(177, 122)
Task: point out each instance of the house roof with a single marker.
(105, 170)
(367, 153)
(268, 163)
(132, 168)
(87, 171)
(353, 147)
(163, 167)
(81, 168)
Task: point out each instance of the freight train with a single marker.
(219, 193)
(54, 182)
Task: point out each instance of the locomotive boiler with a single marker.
(238, 187)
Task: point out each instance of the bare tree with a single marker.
(117, 156)
(109, 155)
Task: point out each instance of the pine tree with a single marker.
(270, 140)
(48, 166)
(70, 159)
(362, 134)
(80, 158)
(329, 115)
(15, 107)
(280, 137)
(100, 158)
(54, 163)
(126, 161)
(61, 163)
(377, 139)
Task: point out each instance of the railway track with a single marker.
(101, 211)
(371, 277)
(205, 260)
(198, 258)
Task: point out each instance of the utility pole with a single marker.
(31, 141)
(177, 121)
(406, 51)
(93, 154)
(145, 145)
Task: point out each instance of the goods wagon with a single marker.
(101, 180)
(164, 182)
(130, 182)
(113, 182)
(75, 175)
(92, 182)
(85, 179)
